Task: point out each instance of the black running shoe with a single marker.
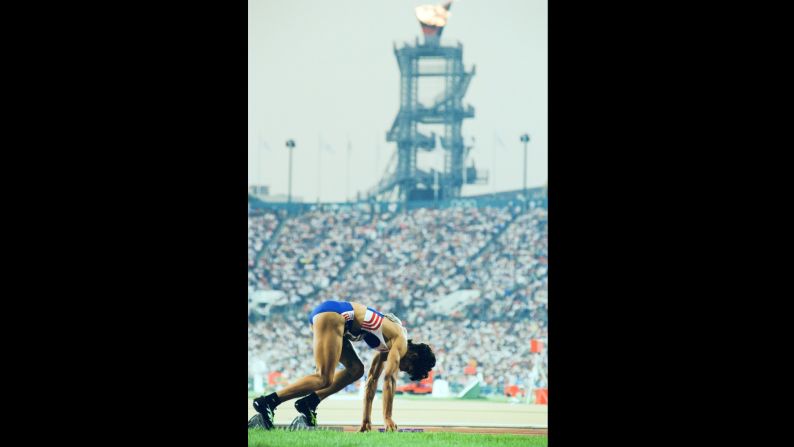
(268, 413)
(311, 413)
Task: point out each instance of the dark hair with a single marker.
(422, 361)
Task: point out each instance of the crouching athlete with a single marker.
(335, 325)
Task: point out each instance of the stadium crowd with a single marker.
(310, 251)
(416, 257)
(260, 229)
(401, 263)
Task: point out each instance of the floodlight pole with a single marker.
(525, 140)
(290, 146)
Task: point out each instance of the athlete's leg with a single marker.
(328, 329)
(353, 371)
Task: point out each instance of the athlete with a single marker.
(335, 325)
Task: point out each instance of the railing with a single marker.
(535, 197)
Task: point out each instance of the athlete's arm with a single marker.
(390, 383)
(372, 385)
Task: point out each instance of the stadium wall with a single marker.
(536, 197)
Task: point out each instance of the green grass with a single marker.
(274, 438)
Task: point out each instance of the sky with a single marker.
(323, 73)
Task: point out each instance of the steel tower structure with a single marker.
(429, 59)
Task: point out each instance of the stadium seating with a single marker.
(403, 262)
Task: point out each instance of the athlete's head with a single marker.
(418, 361)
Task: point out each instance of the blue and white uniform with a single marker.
(371, 328)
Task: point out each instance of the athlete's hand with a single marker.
(390, 425)
(365, 426)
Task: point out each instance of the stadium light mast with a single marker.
(525, 140)
(290, 146)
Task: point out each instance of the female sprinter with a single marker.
(335, 324)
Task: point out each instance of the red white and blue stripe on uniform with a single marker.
(372, 320)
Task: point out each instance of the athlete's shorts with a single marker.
(343, 308)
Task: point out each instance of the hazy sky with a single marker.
(325, 70)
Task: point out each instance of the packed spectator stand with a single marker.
(403, 261)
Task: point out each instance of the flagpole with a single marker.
(377, 170)
(492, 178)
(347, 185)
(319, 165)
